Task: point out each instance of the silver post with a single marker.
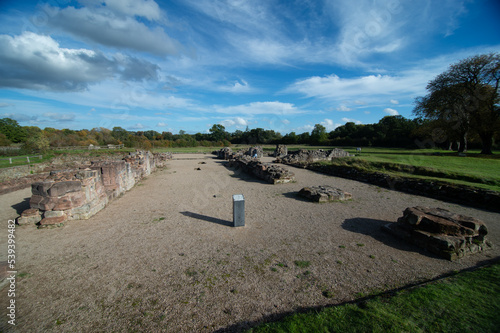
(238, 210)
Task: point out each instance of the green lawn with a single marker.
(466, 302)
(22, 160)
(473, 170)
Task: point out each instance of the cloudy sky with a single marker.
(188, 64)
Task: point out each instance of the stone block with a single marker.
(30, 212)
(53, 213)
(449, 235)
(69, 201)
(324, 193)
(29, 216)
(41, 188)
(53, 220)
(59, 189)
(42, 203)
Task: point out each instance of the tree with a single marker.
(319, 135)
(217, 132)
(12, 130)
(466, 96)
(36, 143)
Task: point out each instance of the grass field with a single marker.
(466, 302)
(22, 160)
(473, 170)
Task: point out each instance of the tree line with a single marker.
(390, 131)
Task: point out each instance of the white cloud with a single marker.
(256, 108)
(237, 87)
(60, 116)
(137, 126)
(391, 112)
(161, 124)
(344, 108)
(104, 27)
(333, 87)
(238, 122)
(349, 120)
(305, 128)
(38, 62)
(394, 101)
(329, 125)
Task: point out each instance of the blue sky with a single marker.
(188, 64)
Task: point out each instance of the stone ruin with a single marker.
(80, 194)
(451, 236)
(224, 154)
(255, 152)
(280, 151)
(273, 174)
(227, 153)
(304, 156)
(324, 193)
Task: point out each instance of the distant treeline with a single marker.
(390, 131)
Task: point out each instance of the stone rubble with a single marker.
(449, 235)
(273, 174)
(324, 193)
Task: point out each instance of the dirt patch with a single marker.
(164, 258)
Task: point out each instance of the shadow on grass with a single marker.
(22, 206)
(373, 228)
(208, 219)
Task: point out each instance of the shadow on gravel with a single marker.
(208, 218)
(295, 195)
(244, 326)
(22, 206)
(373, 228)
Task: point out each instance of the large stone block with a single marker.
(53, 220)
(451, 236)
(29, 216)
(324, 193)
(69, 201)
(42, 203)
(59, 189)
(41, 188)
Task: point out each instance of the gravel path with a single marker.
(164, 258)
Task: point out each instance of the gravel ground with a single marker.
(164, 257)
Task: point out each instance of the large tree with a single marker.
(466, 98)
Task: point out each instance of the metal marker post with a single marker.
(238, 210)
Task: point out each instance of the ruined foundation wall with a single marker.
(273, 174)
(80, 194)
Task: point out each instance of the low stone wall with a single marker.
(451, 236)
(471, 196)
(227, 153)
(22, 176)
(79, 194)
(273, 174)
(311, 156)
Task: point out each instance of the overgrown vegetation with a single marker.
(466, 302)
